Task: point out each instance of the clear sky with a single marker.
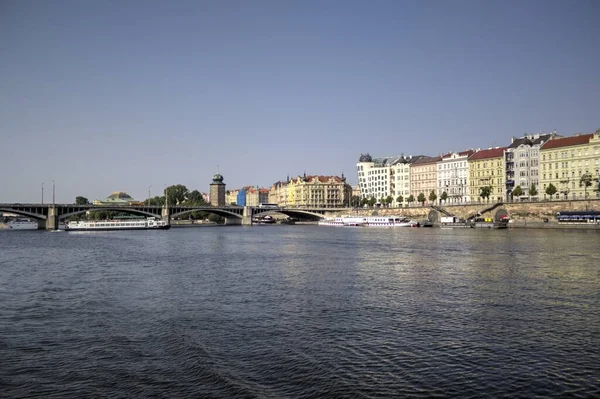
(104, 96)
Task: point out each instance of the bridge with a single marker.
(50, 215)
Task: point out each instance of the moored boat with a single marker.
(150, 223)
(21, 224)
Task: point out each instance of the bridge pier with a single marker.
(52, 219)
(247, 216)
(165, 214)
(233, 222)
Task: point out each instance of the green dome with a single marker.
(217, 178)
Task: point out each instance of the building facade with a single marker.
(522, 164)
(423, 176)
(318, 192)
(453, 176)
(565, 160)
(487, 169)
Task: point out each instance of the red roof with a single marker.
(567, 141)
(489, 153)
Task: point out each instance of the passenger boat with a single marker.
(390, 221)
(21, 224)
(150, 223)
(369, 221)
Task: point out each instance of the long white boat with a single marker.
(21, 224)
(369, 221)
(150, 223)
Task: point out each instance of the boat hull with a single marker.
(116, 228)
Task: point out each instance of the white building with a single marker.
(382, 177)
(453, 176)
(522, 162)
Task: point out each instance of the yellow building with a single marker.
(312, 192)
(487, 169)
(565, 160)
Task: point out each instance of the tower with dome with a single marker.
(217, 191)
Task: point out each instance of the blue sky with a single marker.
(122, 95)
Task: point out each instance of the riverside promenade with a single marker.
(534, 214)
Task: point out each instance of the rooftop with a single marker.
(497, 152)
(559, 142)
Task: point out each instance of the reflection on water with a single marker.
(300, 311)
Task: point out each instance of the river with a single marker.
(300, 312)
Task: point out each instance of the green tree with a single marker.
(586, 181)
(410, 199)
(400, 200)
(155, 201)
(177, 194)
(421, 198)
(517, 192)
(444, 196)
(485, 192)
(372, 201)
(432, 196)
(81, 200)
(533, 190)
(388, 200)
(551, 190)
(597, 180)
(195, 198)
(355, 201)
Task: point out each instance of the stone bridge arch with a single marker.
(215, 211)
(19, 212)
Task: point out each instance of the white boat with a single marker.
(369, 221)
(337, 221)
(21, 224)
(390, 221)
(150, 223)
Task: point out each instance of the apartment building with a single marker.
(423, 176)
(318, 192)
(487, 169)
(522, 163)
(453, 176)
(565, 160)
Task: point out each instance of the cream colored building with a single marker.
(487, 169)
(231, 196)
(423, 176)
(312, 192)
(278, 194)
(564, 160)
(453, 176)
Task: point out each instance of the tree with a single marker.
(410, 199)
(517, 192)
(585, 181)
(432, 196)
(389, 199)
(177, 194)
(485, 192)
(444, 196)
(400, 200)
(372, 201)
(355, 201)
(195, 198)
(155, 201)
(421, 198)
(81, 200)
(551, 190)
(597, 180)
(533, 190)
